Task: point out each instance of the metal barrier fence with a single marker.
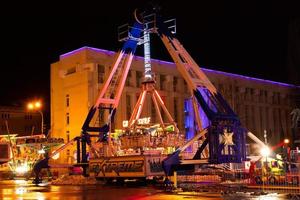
(239, 181)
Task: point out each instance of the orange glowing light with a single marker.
(37, 104)
(34, 105)
(30, 106)
(286, 141)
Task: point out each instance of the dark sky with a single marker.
(244, 37)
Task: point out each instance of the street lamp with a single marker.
(37, 107)
(286, 156)
(265, 152)
(286, 141)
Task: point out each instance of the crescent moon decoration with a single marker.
(136, 16)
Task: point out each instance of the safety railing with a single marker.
(237, 181)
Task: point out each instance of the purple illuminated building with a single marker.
(260, 104)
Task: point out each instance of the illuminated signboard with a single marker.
(115, 167)
(145, 120)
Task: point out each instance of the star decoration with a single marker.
(227, 138)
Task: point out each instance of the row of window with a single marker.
(5, 115)
(27, 128)
(8, 116)
(28, 116)
(251, 94)
(259, 118)
(67, 105)
(139, 77)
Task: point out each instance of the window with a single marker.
(163, 114)
(128, 106)
(5, 115)
(175, 110)
(101, 73)
(267, 117)
(248, 94)
(247, 117)
(261, 96)
(162, 81)
(185, 88)
(265, 96)
(68, 119)
(67, 100)
(175, 81)
(261, 118)
(71, 70)
(153, 112)
(68, 136)
(138, 76)
(274, 98)
(128, 78)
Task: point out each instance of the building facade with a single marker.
(77, 78)
(17, 121)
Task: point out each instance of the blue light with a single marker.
(86, 48)
(189, 119)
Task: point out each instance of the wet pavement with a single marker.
(22, 190)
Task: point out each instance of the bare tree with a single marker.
(295, 117)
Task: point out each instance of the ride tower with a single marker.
(148, 81)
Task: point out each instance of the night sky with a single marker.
(244, 37)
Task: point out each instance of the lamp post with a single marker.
(286, 158)
(265, 152)
(37, 107)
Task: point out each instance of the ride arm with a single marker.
(110, 94)
(62, 147)
(207, 96)
(218, 112)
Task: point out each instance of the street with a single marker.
(22, 190)
(19, 189)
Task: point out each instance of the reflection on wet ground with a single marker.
(22, 190)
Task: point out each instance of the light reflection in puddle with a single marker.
(273, 196)
(21, 190)
(21, 182)
(40, 196)
(7, 191)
